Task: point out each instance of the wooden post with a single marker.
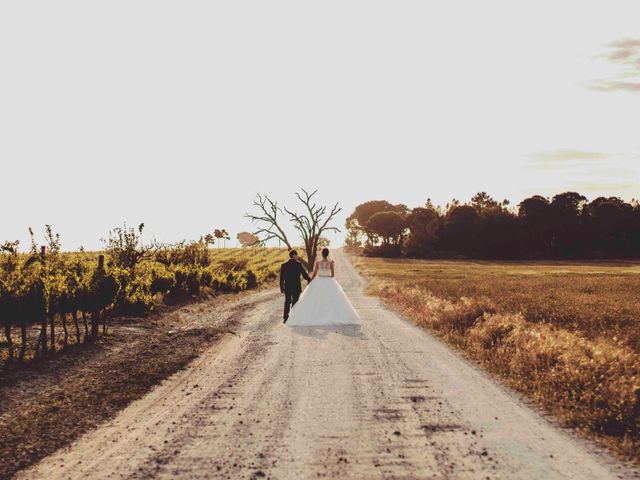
(101, 314)
(52, 323)
(43, 328)
(95, 315)
(7, 333)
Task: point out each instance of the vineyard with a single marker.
(51, 299)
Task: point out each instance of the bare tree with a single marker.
(310, 225)
(313, 223)
(268, 220)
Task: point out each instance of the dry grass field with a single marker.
(565, 334)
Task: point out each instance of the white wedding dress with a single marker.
(323, 302)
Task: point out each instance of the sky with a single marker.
(176, 114)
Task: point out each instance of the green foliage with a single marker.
(60, 286)
(163, 282)
(185, 253)
(138, 300)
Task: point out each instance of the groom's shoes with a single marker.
(285, 319)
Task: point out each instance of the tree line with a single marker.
(564, 226)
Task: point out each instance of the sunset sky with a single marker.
(177, 113)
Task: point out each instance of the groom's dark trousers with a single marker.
(290, 273)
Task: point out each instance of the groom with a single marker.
(290, 273)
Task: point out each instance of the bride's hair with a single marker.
(325, 252)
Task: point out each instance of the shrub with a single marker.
(234, 264)
(193, 281)
(138, 301)
(163, 282)
(252, 280)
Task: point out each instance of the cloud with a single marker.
(568, 155)
(583, 160)
(591, 189)
(624, 53)
(605, 188)
(613, 85)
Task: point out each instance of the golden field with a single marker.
(565, 334)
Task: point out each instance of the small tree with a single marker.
(125, 247)
(219, 234)
(389, 225)
(323, 242)
(482, 201)
(423, 224)
(208, 239)
(357, 222)
(247, 239)
(225, 237)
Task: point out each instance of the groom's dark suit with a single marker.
(290, 285)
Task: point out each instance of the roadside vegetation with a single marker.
(566, 334)
(52, 300)
(86, 333)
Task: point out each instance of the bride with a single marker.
(323, 302)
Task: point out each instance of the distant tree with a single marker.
(429, 205)
(459, 229)
(353, 234)
(423, 225)
(247, 239)
(635, 229)
(388, 225)
(209, 239)
(225, 237)
(534, 214)
(482, 201)
(498, 233)
(357, 222)
(613, 227)
(323, 242)
(569, 204)
(565, 221)
(453, 204)
(219, 234)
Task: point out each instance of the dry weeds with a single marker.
(565, 334)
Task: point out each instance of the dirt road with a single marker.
(385, 400)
